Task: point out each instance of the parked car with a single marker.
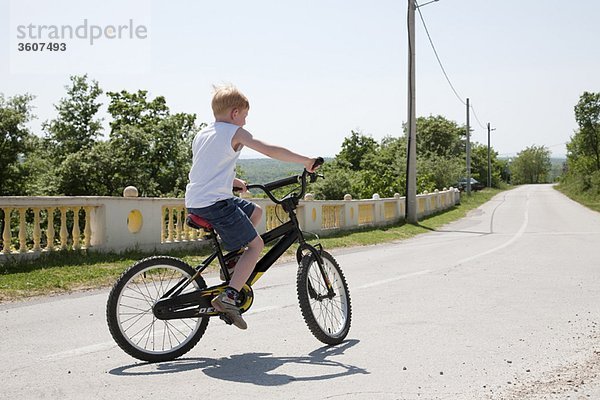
(475, 184)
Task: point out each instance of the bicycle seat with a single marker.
(197, 222)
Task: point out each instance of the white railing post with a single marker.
(6, 235)
(378, 217)
(350, 212)
(76, 233)
(37, 233)
(22, 231)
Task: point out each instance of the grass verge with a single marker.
(63, 272)
(591, 201)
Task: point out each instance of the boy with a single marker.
(215, 151)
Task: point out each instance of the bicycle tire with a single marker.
(133, 325)
(328, 319)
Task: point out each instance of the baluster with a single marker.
(186, 228)
(185, 233)
(76, 231)
(22, 231)
(170, 227)
(178, 227)
(6, 236)
(87, 230)
(50, 231)
(192, 233)
(162, 224)
(37, 232)
(64, 235)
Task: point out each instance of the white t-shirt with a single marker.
(213, 166)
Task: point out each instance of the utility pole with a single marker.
(411, 161)
(489, 158)
(468, 152)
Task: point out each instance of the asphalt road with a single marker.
(503, 304)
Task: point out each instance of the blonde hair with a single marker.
(227, 97)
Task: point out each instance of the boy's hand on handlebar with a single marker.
(239, 185)
(312, 164)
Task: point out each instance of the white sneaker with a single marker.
(223, 303)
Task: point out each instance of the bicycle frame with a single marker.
(197, 303)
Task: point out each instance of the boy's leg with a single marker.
(255, 219)
(246, 263)
(256, 215)
(243, 229)
(226, 301)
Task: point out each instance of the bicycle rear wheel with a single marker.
(130, 317)
(327, 315)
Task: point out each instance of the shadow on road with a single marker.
(255, 368)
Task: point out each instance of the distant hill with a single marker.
(262, 170)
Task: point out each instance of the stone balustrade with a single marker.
(31, 226)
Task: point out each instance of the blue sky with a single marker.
(315, 70)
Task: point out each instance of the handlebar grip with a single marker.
(282, 182)
(318, 162)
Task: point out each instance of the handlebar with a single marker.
(302, 178)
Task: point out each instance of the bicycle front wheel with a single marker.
(326, 312)
(131, 320)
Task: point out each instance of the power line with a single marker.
(438, 58)
(444, 70)
(477, 119)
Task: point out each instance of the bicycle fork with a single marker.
(316, 252)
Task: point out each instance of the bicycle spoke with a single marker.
(150, 330)
(144, 329)
(140, 316)
(131, 297)
(185, 323)
(148, 298)
(135, 308)
(123, 322)
(175, 329)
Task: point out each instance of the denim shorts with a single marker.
(231, 220)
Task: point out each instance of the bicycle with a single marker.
(160, 307)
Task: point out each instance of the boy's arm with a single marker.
(243, 137)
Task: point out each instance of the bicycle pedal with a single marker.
(226, 319)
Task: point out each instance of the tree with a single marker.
(531, 165)
(583, 151)
(76, 127)
(383, 170)
(39, 168)
(440, 136)
(438, 172)
(337, 184)
(70, 139)
(479, 164)
(355, 148)
(151, 146)
(586, 143)
(15, 143)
